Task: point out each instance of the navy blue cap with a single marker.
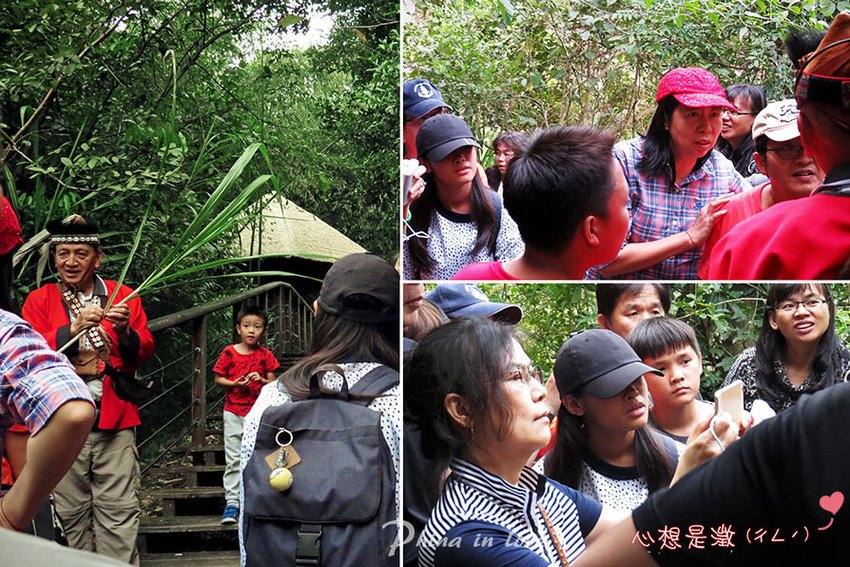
(421, 97)
(466, 300)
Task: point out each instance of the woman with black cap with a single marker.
(605, 447)
(356, 331)
(457, 220)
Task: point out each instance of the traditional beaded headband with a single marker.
(75, 239)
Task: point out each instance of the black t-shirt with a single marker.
(779, 482)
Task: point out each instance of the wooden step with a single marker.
(191, 500)
(183, 470)
(197, 475)
(183, 524)
(227, 558)
(191, 493)
(202, 454)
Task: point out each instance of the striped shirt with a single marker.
(658, 210)
(481, 519)
(35, 380)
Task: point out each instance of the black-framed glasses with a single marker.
(788, 151)
(527, 373)
(736, 113)
(810, 304)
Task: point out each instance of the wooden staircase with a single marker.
(185, 499)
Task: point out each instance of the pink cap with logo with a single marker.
(693, 87)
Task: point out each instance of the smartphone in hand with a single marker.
(730, 398)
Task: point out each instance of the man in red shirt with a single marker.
(779, 154)
(10, 238)
(806, 238)
(98, 498)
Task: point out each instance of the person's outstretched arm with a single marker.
(50, 453)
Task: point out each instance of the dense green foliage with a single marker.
(725, 317)
(526, 64)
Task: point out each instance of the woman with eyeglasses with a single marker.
(471, 389)
(677, 181)
(605, 447)
(736, 132)
(797, 351)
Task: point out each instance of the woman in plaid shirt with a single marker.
(678, 183)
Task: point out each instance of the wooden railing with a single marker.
(290, 327)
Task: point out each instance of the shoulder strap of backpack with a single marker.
(375, 382)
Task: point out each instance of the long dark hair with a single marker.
(465, 357)
(483, 215)
(657, 159)
(771, 345)
(563, 463)
(336, 340)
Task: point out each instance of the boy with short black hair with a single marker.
(671, 346)
(243, 369)
(568, 196)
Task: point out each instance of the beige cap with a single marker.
(777, 121)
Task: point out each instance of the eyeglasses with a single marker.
(736, 114)
(791, 306)
(788, 152)
(424, 117)
(509, 155)
(528, 374)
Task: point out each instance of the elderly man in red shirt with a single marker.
(98, 499)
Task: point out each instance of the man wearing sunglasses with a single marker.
(810, 238)
(779, 155)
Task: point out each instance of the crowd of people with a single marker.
(596, 465)
(698, 198)
(69, 413)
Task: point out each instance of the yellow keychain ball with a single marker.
(281, 479)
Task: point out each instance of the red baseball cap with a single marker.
(693, 87)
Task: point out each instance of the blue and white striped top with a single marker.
(481, 519)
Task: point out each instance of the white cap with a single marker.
(778, 121)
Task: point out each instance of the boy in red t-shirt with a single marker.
(243, 369)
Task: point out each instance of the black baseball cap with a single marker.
(441, 135)
(598, 362)
(361, 287)
(421, 97)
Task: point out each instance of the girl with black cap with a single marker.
(456, 221)
(605, 447)
(356, 330)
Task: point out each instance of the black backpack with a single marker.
(340, 510)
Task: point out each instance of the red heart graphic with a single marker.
(832, 503)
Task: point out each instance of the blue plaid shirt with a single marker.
(34, 379)
(657, 209)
